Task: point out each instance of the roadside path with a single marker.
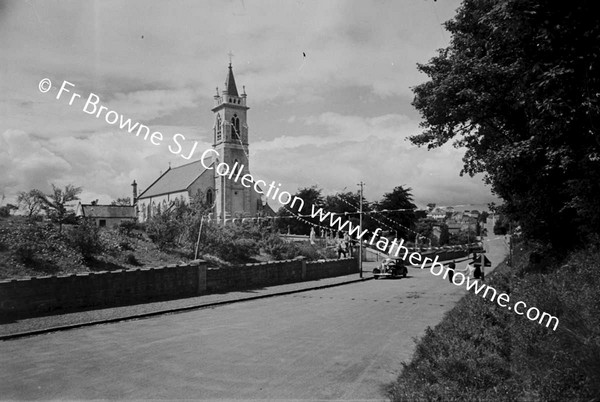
(56, 322)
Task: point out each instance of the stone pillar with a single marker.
(201, 265)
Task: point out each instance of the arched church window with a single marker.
(209, 197)
(235, 123)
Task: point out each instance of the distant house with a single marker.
(437, 213)
(457, 216)
(107, 215)
(454, 227)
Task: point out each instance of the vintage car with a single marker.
(391, 268)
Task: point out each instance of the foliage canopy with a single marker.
(519, 87)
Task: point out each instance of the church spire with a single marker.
(230, 83)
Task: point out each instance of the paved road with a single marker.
(344, 343)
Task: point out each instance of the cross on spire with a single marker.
(230, 54)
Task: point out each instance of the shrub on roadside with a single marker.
(86, 239)
(230, 243)
(164, 230)
(132, 260)
(481, 351)
(127, 227)
(38, 246)
(125, 245)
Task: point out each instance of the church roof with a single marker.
(174, 180)
(230, 83)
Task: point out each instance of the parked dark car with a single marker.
(391, 268)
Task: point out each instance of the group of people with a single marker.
(475, 268)
(344, 246)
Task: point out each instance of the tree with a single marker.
(57, 202)
(444, 235)
(518, 88)
(424, 227)
(399, 198)
(311, 196)
(126, 201)
(348, 205)
(30, 202)
(431, 206)
(6, 209)
(483, 217)
(501, 226)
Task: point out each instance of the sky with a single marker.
(328, 85)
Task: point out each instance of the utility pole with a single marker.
(360, 216)
(198, 241)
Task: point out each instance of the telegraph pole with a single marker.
(360, 216)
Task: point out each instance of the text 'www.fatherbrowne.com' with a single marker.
(396, 247)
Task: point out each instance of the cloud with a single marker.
(335, 117)
(27, 163)
(349, 149)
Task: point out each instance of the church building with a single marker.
(230, 199)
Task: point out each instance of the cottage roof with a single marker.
(108, 211)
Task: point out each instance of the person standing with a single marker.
(341, 248)
(348, 242)
(451, 268)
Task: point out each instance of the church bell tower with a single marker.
(230, 140)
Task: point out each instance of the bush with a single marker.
(125, 245)
(132, 260)
(280, 249)
(163, 230)
(127, 227)
(38, 246)
(481, 351)
(86, 239)
(230, 243)
(26, 253)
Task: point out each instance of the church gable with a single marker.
(205, 183)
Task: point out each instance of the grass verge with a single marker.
(481, 351)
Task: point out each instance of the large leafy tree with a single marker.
(348, 204)
(400, 221)
(286, 219)
(519, 88)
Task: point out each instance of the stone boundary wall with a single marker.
(40, 295)
(276, 273)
